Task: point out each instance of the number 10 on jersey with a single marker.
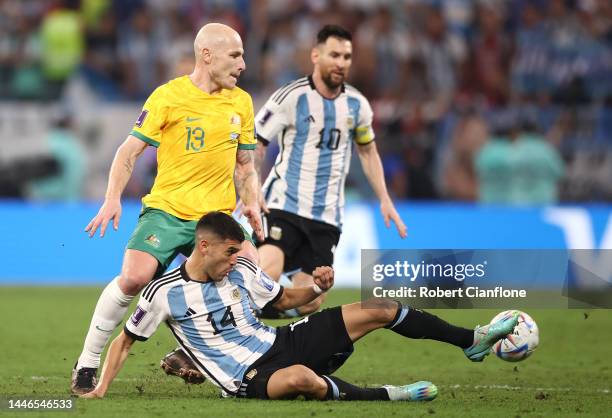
(331, 140)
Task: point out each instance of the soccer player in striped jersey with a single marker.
(202, 127)
(206, 302)
(317, 120)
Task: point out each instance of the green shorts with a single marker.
(164, 236)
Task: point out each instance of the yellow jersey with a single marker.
(197, 136)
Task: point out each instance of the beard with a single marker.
(329, 82)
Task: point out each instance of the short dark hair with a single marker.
(333, 31)
(221, 225)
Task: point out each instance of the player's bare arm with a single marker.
(373, 169)
(117, 354)
(260, 154)
(294, 297)
(245, 178)
(120, 173)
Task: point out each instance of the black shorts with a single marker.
(319, 342)
(307, 244)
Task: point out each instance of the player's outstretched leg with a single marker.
(138, 269)
(298, 380)
(362, 318)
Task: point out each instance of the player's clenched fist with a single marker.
(323, 277)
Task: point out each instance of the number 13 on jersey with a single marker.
(195, 138)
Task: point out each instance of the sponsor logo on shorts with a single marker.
(141, 118)
(137, 316)
(152, 240)
(276, 232)
(251, 374)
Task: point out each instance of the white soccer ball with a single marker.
(522, 342)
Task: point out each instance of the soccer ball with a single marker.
(522, 342)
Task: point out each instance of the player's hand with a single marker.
(390, 214)
(110, 210)
(323, 277)
(238, 212)
(253, 215)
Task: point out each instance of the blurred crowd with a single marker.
(498, 101)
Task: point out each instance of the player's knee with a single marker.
(302, 380)
(274, 271)
(271, 260)
(132, 282)
(388, 313)
(383, 311)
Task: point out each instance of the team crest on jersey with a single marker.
(236, 294)
(235, 120)
(141, 118)
(350, 122)
(276, 232)
(152, 240)
(234, 136)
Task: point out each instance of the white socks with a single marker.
(110, 310)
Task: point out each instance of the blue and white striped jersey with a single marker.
(213, 321)
(315, 136)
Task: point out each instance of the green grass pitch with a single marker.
(569, 375)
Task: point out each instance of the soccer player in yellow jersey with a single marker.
(202, 127)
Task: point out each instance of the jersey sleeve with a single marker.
(271, 119)
(247, 131)
(152, 119)
(262, 289)
(364, 134)
(145, 320)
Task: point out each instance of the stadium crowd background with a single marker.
(505, 101)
